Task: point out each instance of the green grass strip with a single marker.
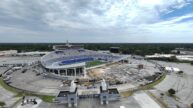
(45, 98)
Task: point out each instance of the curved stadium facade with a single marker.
(70, 61)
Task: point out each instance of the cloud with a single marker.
(94, 20)
(106, 13)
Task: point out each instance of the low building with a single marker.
(183, 51)
(159, 56)
(8, 52)
(34, 53)
(172, 69)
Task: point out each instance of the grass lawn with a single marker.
(47, 98)
(5, 86)
(151, 85)
(145, 87)
(126, 93)
(94, 63)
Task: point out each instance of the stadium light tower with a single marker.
(67, 43)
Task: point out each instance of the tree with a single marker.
(2, 103)
(180, 72)
(178, 52)
(192, 105)
(191, 63)
(171, 92)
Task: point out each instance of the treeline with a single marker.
(26, 47)
(126, 48)
(140, 49)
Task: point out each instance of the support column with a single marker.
(84, 71)
(65, 72)
(75, 72)
(58, 72)
(61, 72)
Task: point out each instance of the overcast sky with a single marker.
(127, 21)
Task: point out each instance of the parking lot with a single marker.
(183, 84)
(7, 96)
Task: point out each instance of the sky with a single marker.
(106, 21)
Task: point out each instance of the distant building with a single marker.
(156, 55)
(172, 69)
(8, 52)
(34, 53)
(183, 51)
(66, 46)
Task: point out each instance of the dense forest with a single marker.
(126, 48)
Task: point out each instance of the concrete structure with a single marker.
(34, 53)
(68, 97)
(104, 93)
(107, 94)
(69, 61)
(72, 70)
(67, 46)
(72, 95)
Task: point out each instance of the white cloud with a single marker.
(110, 13)
(122, 19)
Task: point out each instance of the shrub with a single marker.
(171, 92)
(191, 63)
(180, 72)
(2, 103)
(162, 94)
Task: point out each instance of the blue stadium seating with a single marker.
(77, 60)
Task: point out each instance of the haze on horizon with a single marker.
(128, 21)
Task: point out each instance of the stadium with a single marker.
(73, 60)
